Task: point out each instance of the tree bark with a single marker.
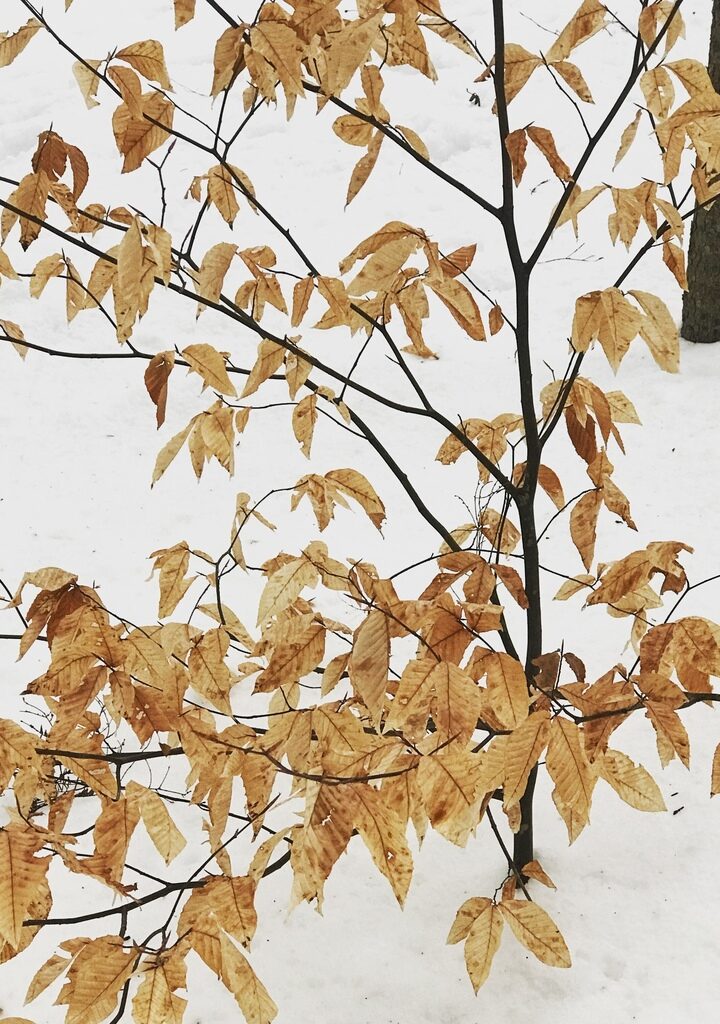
(701, 302)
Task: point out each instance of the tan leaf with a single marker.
(269, 359)
(572, 75)
(674, 260)
(383, 833)
(462, 306)
(364, 167)
(483, 942)
(130, 88)
(168, 452)
(627, 138)
(148, 58)
(301, 298)
(659, 331)
(631, 781)
(210, 365)
(184, 12)
(382, 268)
(155, 1001)
(209, 674)
(715, 776)
(694, 76)
(284, 586)
(94, 979)
(228, 58)
(222, 193)
(583, 525)
(21, 874)
(304, 418)
(534, 928)
(522, 752)
(519, 66)
(550, 483)
(569, 769)
(414, 141)
(166, 836)
(353, 484)
(496, 319)
(533, 869)
(369, 662)
(587, 20)
(658, 90)
(353, 130)
(84, 72)
(136, 138)
(213, 268)
(13, 45)
(543, 139)
(250, 994)
(507, 688)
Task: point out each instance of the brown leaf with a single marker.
(659, 331)
(522, 752)
(483, 942)
(543, 139)
(184, 12)
(516, 144)
(627, 138)
(304, 418)
(157, 375)
(572, 75)
(506, 688)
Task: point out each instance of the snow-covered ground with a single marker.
(634, 898)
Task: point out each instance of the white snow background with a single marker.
(634, 898)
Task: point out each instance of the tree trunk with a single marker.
(701, 302)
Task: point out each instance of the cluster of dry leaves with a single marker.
(432, 739)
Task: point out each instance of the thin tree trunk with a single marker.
(701, 302)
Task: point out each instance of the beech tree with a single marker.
(359, 704)
(701, 310)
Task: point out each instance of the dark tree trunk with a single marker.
(701, 302)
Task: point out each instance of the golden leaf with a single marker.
(483, 942)
(184, 12)
(284, 586)
(659, 331)
(572, 75)
(658, 90)
(228, 58)
(210, 365)
(209, 674)
(155, 1001)
(631, 781)
(450, 787)
(21, 875)
(94, 979)
(583, 525)
(354, 485)
(239, 977)
(136, 137)
(166, 836)
(148, 58)
(222, 193)
(369, 662)
(535, 930)
(384, 835)
(587, 20)
(84, 72)
(674, 260)
(13, 45)
(627, 138)
(533, 869)
(269, 359)
(715, 776)
(462, 306)
(382, 268)
(353, 130)
(213, 268)
(506, 688)
(363, 168)
(569, 769)
(304, 418)
(522, 752)
(414, 141)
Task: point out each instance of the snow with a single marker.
(78, 437)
